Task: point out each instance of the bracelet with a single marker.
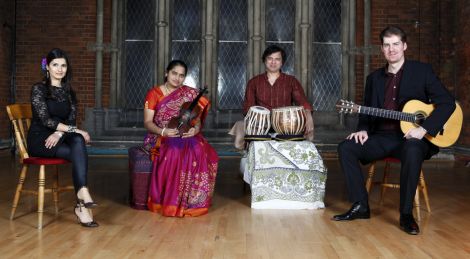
(163, 131)
(71, 129)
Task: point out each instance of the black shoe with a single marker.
(88, 205)
(408, 224)
(91, 224)
(357, 211)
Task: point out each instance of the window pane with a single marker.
(233, 19)
(326, 76)
(326, 58)
(280, 28)
(186, 20)
(327, 21)
(231, 75)
(186, 37)
(140, 16)
(189, 52)
(232, 53)
(280, 20)
(139, 51)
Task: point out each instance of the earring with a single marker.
(47, 74)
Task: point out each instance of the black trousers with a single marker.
(73, 149)
(411, 152)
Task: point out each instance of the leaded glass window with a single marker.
(139, 51)
(232, 53)
(280, 29)
(326, 55)
(186, 37)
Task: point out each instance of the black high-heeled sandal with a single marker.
(87, 205)
(91, 224)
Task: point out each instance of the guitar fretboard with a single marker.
(395, 115)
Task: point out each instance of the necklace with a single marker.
(166, 89)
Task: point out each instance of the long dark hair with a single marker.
(66, 81)
(175, 63)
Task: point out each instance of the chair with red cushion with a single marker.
(20, 116)
(386, 184)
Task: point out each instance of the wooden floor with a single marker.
(232, 229)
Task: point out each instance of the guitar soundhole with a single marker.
(419, 118)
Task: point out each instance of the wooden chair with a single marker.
(386, 184)
(20, 116)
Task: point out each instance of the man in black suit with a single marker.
(390, 88)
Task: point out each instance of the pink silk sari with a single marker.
(184, 169)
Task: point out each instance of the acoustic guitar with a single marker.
(412, 115)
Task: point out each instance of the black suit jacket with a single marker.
(418, 82)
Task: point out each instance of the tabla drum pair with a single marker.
(289, 120)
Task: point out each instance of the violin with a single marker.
(188, 111)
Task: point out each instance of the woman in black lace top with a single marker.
(53, 131)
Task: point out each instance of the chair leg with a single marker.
(424, 189)
(42, 183)
(19, 187)
(384, 181)
(370, 176)
(417, 205)
(55, 190)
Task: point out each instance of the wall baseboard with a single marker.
(6, 143)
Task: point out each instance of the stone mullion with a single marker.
(162, 43)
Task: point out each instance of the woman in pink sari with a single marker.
(184, 167)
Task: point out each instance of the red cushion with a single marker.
(45, 161)
(391, 160)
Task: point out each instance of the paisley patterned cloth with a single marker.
(285, 175)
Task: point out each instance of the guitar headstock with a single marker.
(343, 106)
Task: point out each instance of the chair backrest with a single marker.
(20, 116)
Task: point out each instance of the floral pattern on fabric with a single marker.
(289, 171)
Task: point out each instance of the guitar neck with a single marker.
(388, 114)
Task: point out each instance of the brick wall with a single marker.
(69, 25)
(7, 21)
(419, 19)
(462, 69)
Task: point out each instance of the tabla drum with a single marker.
(289, 120)
(257, 121)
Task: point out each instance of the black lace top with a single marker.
(50, 106)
